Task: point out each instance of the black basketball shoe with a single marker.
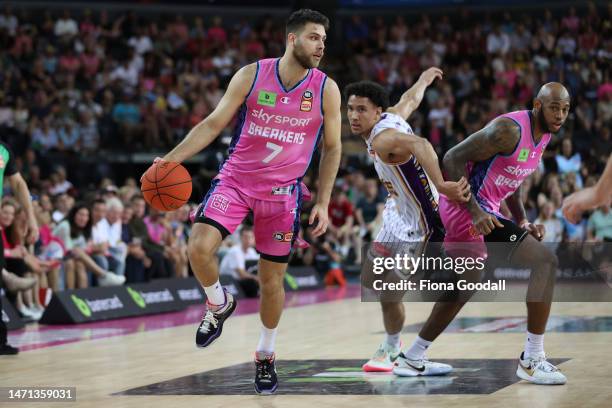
(266, 381)
(212, 323)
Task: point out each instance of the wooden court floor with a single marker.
(328, 338)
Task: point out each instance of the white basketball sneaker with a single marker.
(539, 371)
(413, 368)
(382, 361)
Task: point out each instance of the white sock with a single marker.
(215, 294)
(393, 340)
(267, 338)
(534, 345)
(417, 349)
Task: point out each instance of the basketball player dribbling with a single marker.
(285, 106)
(496, 160)
(408, 166)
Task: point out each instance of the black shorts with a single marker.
(504, 241)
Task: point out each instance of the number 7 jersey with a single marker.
(277, 132)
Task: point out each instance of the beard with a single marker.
(301, 57)
(542, 122)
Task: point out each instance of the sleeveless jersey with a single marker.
(276, 134)
(495, 179)
(414, 195)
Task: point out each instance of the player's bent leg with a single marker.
(532, 365)
(543, 263)
(272, 292)
(202, 248)
(203, 244)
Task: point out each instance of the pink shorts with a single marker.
(276, 226)
(461, 237)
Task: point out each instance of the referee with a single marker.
(22, 194)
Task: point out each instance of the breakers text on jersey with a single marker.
(282, 135)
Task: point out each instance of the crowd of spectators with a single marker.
(73, 84)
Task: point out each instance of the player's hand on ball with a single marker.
(319, 213)
(485, 222)
(456, 191)
(155, 161)
(537, 230)
(430, 75)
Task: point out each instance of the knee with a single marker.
(548, 258)
(200, 249)
(271, 283)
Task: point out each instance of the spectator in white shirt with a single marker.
(141, 42)
(236, 262)
(108, 250)
(66, 26)
(498, 42)
(126, 73)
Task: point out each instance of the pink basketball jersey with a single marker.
(495, 179)
(276, 135)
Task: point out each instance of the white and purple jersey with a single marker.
(412, 195)
(276, 135)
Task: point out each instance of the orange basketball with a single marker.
(166, 186)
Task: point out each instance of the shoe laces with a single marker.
(209, 320)
(542, 364)
(264, 369)
(380, 354)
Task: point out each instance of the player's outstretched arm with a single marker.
(330, 157)
(411, 99)
(207, 130)
(499, 136)
(397, 147)
(600, 194)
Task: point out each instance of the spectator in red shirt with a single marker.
(217, 33)
(341, 215)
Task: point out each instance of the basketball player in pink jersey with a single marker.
(285, 107)
(496, 160)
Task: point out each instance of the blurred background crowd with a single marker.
(78, 84)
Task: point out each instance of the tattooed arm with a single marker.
(500, 136)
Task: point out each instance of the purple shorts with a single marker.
(276, 226)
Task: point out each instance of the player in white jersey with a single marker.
(408, 167)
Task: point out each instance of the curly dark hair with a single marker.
(299, 18)
(378, 95)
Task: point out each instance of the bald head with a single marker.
(551, 106)
(552, 91)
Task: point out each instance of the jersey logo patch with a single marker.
(306, 101)
(266, 98)
(219, 203)
(283, 236)
(523, 155)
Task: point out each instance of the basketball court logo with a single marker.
(219, 203)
